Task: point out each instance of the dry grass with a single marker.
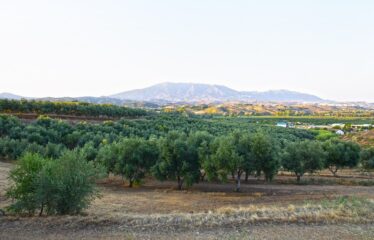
(155, 210)
(340, 210)
(4, 184)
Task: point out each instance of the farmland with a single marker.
(242, 177)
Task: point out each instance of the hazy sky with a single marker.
(76, 48)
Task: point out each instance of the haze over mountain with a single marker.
(192, 92)
(5, 95)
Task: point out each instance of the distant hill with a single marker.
(10, 96)
(165, 93)
(283, 96)
(192, 92)
(103, 100)
(94, 100)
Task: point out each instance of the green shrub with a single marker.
(24, 189)
(62, 186)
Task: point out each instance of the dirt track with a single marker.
(267, 231)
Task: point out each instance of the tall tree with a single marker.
(265, 155)
(177, 161)
(136, 156)
(367, 158)
(199, 143)
(231, 155)
(302, 157)
(341, 154)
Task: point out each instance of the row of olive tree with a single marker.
(191, 158)
(68, 108)
(311, 156)
(66, 184)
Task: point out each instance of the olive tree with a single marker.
(177, 161)
(23, 179)
(231, 155)
(227, 160)
(302, 157)
(367, 158)
(135, 157)
(57, 186)
(199, 143)
(340, 154)
(265, 155)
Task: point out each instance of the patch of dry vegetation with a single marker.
(364, 138)
(4, 183)
(340, 210)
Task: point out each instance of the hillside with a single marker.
(365, 138)
(5, 95)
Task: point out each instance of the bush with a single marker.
(25, 176)
(62, 186)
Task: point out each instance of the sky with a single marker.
(97, 48)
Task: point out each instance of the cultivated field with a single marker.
(206, 211)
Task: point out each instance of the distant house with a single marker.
(340, 132)
(363, 126)
(285, 124)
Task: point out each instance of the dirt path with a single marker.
(265, 231)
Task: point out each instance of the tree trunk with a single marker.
(334, 170)
(258, 175)
(180, 183)
(238, 182)
(298, 178)
(41, 210)
(202, 177)
(131, 183)
(246, 176)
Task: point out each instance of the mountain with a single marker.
(179, 92)
(6, 95)
(165, 93)
(283, 96)
(192, 92)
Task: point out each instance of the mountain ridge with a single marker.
(196, 92)
(8, 95)
(168, 92)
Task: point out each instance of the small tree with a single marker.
(265, 155)
(231, 155)
(302, 157)
(177, 162)
(136, 156)
(24, 178)
(89, 151)
(367, 158)
(107, 156)
(72, 183)
(340, 154)
(227, 160)
(199, 143)
(62, 186)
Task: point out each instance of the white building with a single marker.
(340, 132)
